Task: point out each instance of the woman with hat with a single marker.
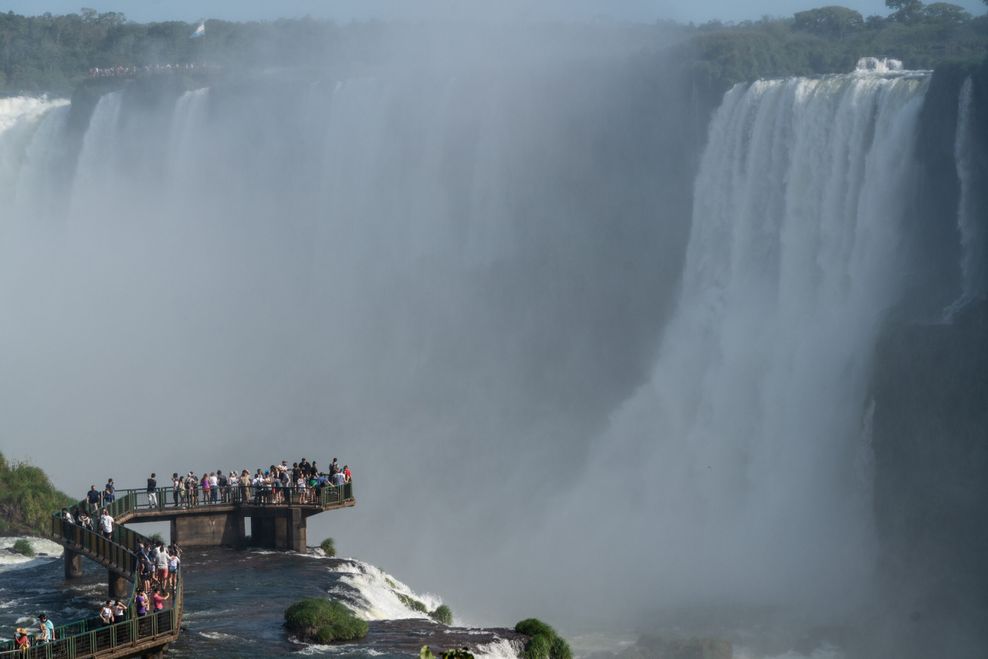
(21, 639)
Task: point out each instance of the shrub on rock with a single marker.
(443, 615)
(23, 547)
(544, 642)
(324, 621)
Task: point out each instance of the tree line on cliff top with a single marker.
(27, 499)
(52, 54)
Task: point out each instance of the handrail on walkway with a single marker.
(168, 498)
(90, 637)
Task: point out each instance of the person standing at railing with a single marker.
(109, 492)
(94, 498)
(214, 487)
(106, 613)
(153, 491)
(175, 485)
(346, 473)
(161, 563)
(158, 598)
(21, 639)
(141, 602)
(192, 483)
(46, 629)
(173, 562)
(106, 524)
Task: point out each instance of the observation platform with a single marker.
(277, 521)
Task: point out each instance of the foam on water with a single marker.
(499, 649)
(374, 594)
(45, 550)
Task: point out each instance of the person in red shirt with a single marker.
(158, 599)
(346, 472)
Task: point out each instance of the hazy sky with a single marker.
(344, 10)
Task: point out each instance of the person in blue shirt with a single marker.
(47, 628)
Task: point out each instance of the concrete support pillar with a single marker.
(208, 530)
(119, 587)
(298, 539)
(73, 564)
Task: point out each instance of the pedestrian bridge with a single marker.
(277, 521)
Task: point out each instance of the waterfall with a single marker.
(30, 150)
(747, 451)
(969, 210)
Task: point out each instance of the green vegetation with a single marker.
(426, 653)
(412, 603)
(27, 499)
(324, 621)
(23, 547)
(832, 39)
(328, 547)
(54, 53)
(443, 615)
(543, 642)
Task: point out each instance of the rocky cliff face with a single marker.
(931, 391)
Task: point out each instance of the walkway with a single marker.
(150, 635)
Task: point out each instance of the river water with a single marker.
(235, 603)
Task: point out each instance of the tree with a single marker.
(829, 22)
(945, 12)
(905, 11)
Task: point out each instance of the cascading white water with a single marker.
(973, 278)
(30, 129)
(750, 460)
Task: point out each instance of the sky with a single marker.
(346, 10)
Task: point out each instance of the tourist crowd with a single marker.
(158, 565)
(121, 71)
(301, 482)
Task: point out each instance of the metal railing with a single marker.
(168, 498)
(91, 636)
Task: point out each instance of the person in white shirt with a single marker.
(106, 524)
